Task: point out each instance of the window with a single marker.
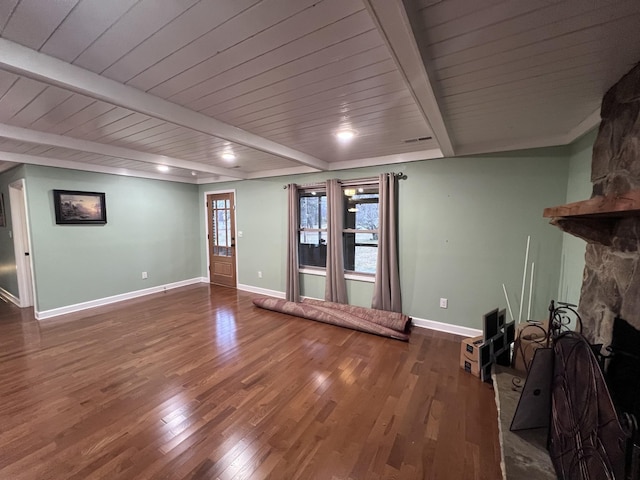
(360, 229)
(360, 233)
(312, 246)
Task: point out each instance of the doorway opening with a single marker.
(21, 242)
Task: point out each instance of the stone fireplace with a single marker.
(610, 223)
(591, 434)
(610, 220)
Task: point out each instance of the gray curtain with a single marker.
(386, 290)
(293, 280)
(335, 286)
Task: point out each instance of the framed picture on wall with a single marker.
(79, 208)
(3, 219)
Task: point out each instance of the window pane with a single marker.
(349, 251)
(360, 256)
(222, 251)
(365, 259)
(312, 249)
(222, 227)
(313, 211)
(312, 238)
(367, 238)
(361, 211)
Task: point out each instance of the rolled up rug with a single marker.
(394, 320)
(329, 315)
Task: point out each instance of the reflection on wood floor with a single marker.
(198, 383)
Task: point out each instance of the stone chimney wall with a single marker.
(611, 282)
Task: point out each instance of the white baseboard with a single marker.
(446, 327)
(9, 297)
(260, 291)
(54, 312)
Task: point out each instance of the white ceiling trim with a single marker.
(568, 138)
(51, 139)
(588, 124)
(393, 24)
(35, 65)
(348, 164)
(281, 172)
(4, 166)
(389, 159)
(205, 180)
(495, 147)
(19, 158)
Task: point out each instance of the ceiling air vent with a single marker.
(416, 140)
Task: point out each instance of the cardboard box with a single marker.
(470, 355)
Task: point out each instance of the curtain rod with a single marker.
(355, 181)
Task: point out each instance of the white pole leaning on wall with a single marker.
(524, 279)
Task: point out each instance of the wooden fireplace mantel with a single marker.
(596, 220)
(611, 206)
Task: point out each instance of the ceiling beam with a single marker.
(393, 24)
(53, 140)
(35, 65)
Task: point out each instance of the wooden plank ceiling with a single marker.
(127, 85)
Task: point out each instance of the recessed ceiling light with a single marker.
(194, 173)
(345, 134)
(163, 168)
(228, 156)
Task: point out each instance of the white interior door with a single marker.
(21, 242)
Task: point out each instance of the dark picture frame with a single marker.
(79, 208)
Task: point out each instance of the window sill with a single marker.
(361, 277)
(321, 272)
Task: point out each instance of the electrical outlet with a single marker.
(444, 303)
(144, 275)
(259, 274)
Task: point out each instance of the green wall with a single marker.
(8, 277)
(463, 229)
(152, 226)
(578, 188)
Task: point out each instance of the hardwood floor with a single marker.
(197, 383)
